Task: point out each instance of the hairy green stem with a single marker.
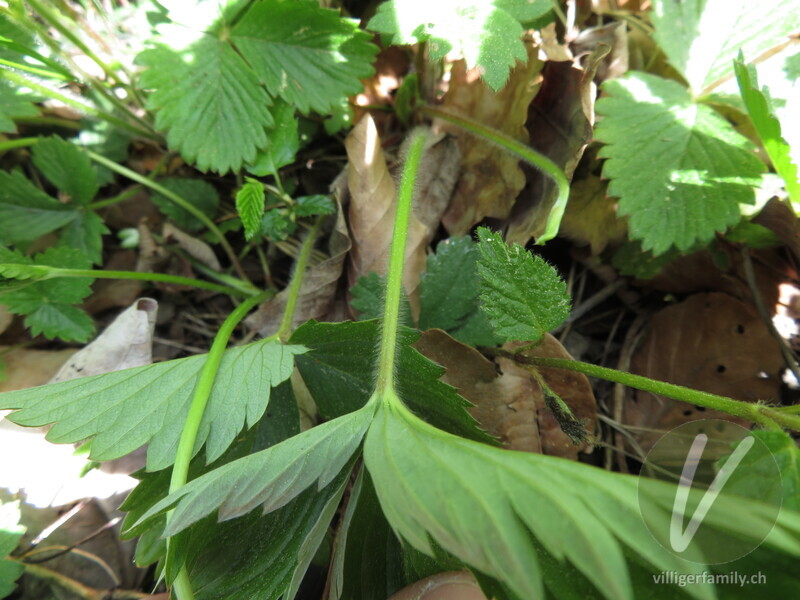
(172, 196)
(54, 272)
(6, 145)
(769, 417)
(285, 328)
(183, 456)
(394, 278)
(526, 153)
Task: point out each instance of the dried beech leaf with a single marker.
(491, 179)
(710, 342)
(591, 216)
(372, 209)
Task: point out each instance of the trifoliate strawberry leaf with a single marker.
(701, 38)
(339, 373)
(67, 167)
(368, 295)
(270, 478)
(767, 127)
(26, 212)
(309, 56)
(522, 296)
(47, 304)
(209, 101)
(488, 33)
(283, 144)
(309, 206)
(200, 193)
(13, 104)
(125, 409)
(85, 233)
(679, 169)
(250, 201)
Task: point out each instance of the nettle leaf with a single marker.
(767, 126)
(522, 296)
(271, 478)
(283, 144)
(47, 304)
(701, 38)
(26, 212)
(13, 104)
(67, 167)
(209, 101)
(200, 193)
(309, 206)
(487, 33)
(250, 200)
(148, 405)
(85, 233)
(449, 292)
(339, 373)
(307, 55)
(508, 514)
(679, 169)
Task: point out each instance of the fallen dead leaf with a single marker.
(509, 404)
(371, 210)
(29, 368)
(591, 216)
(115, 293)
(5, 318)
(781, 219)
(453, 585)
(194, 247)
(615, 36)
(710, 342)
(491, 179)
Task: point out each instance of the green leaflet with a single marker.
(701, 38)
(85, 234)
(491, 508)
(200, 193)
(271, 478)
(47, 304)
(67, 167)
(679, 169)
(148, 405)
(767, 126)
(521, 294)
(13, 105)
(250, 201)
(309, 206)
(26, 212)
(10, 533)
(368, 294)
(488, 34)
(284, 142)
(339, 373)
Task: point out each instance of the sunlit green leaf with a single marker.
(26, 212)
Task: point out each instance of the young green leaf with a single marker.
(212, 106)
(13, 104)
(200, 193)
(270, 478)
(309, 206)
(277, 225)
(679, 169)
(47, 304)
(487, 34)
(307, 55)
(10, 533)
(126, 409)
(521, 294)
(283, 143)
(26, 212)
(701, 38)
(339, 373)
(85, 233)
(767, 126)
(250, 201)
(67, 167)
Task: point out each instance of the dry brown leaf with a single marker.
(114, 293)
(710, 342)
(491, 179)
(781, 219)
(509, 404)
(551, 47)
(318, 290)
(615, 36)
(560, 122)
(5, 318)
(591, 216)
(29, 368)
(454, 585)
(126, 343)
(371, 211)
(194, 247)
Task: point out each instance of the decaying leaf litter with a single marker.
(548, 103)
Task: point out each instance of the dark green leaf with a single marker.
(125, 409)
(368, 295)
(449, 288)
(199, 193)
(26, 212)
(308, 206)
(309, 56)
(250, 201)
(67, 167)
(277, 225)
(679, 169)
(339, 373)
(283, 142)
(85, 233)
(522, 296)
(271, 477)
